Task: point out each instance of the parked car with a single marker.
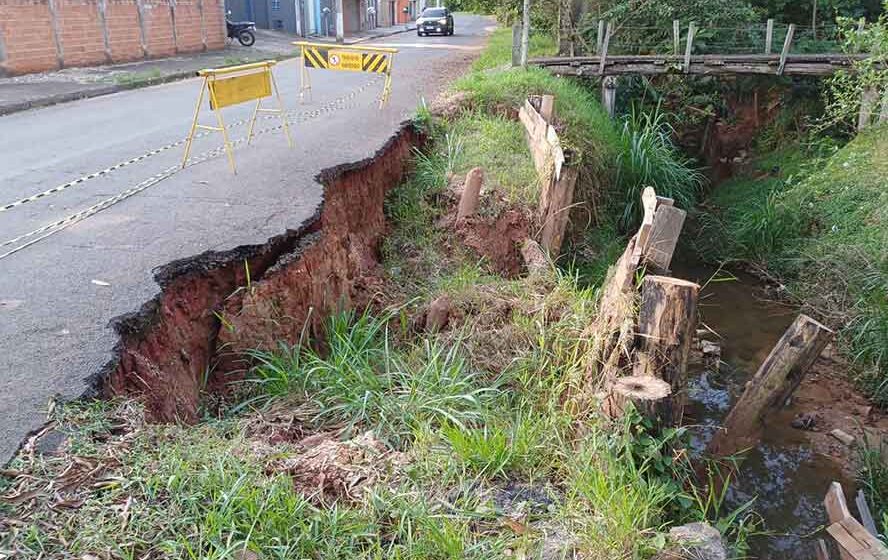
(434, 20)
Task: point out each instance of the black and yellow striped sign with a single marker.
(346, 59)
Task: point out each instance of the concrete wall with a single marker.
(38, 35)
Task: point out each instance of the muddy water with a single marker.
(783, 474)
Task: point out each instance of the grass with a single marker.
(498, 53)
(814, 216)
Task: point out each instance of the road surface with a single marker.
(58, 295)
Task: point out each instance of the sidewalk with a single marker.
(367, 35)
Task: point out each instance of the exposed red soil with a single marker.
(498, 240)
(168, 347)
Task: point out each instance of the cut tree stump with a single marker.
(468, 202)
(776, 379)
(667, 320)
(644, 392)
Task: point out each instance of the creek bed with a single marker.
(785, 475)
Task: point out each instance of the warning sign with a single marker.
(345, 60)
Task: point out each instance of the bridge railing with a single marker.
(765, 38)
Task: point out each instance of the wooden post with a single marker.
(773, 383)
(769, 36)
(603, 54)
(676, 37)
(787, 42)
(663, 238)
(525, 32)
(867, 106)
(883, 113)
(692, 29)
(468, 202)
(599, 41)
(547, 108)
(516, 45)
(667, 321)
(609, 94)
(560, 200)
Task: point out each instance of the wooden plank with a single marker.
(649, 204)
(547, 108)
(821, 552)
(769, 36)
(837, 510)
(849, 547)
(692, 29)
(603, 53)
(676, 37)
(665, 231)
(787, 42)
(599, 42)
(870, 543)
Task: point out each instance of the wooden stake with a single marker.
(599, 41)
(676, 37)
(866, 516)
(868, 101)
(468, 202)
(773, 383)
(665, 230)
(769, 36)
(692, 29)
(787, 42)
(603, 54)
(547, 108)
(667, 320)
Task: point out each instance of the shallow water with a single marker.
(784, 476)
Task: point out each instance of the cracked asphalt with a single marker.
(58, 295)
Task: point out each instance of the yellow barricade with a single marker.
(234, 85)
(345, 58)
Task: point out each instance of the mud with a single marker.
(209, 311)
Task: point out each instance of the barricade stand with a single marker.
(347, 58)
(231, 86)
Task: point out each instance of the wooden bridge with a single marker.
(701, 64)
(763, 62)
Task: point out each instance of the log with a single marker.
(663, 238)
(667, 320)
(643, 392)
(468, 202)
(774, 382)
(534, 258)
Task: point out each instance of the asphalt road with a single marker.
(58, 295)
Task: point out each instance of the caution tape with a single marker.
(328, 107)
(45, 231)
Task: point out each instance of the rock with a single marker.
(438, 314)
(842, 436)
(806, 421)
(694, 541)
(710, 348)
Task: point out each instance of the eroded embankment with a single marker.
(215, 306)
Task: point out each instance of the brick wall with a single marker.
(38, 35)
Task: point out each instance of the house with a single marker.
(318, 17)
(39, 35)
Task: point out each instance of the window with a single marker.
(275, 4)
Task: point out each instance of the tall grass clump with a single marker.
(648, 158)
(360, 380)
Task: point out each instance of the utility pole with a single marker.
(525, 32)
(340, 23)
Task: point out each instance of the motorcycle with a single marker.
(242, 31)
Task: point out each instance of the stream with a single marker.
(785, 476)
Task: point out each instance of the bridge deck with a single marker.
(705, 64)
